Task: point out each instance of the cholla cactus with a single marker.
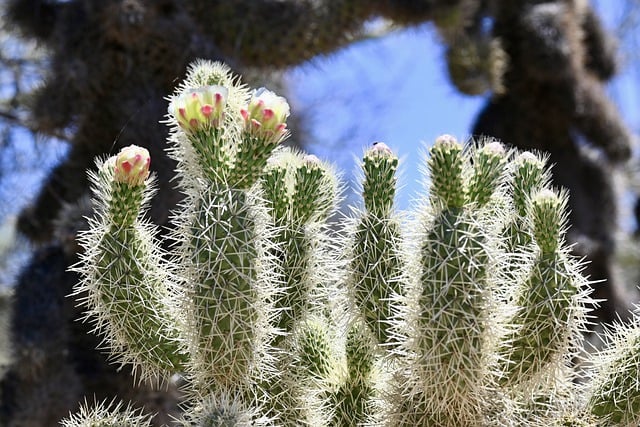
(450, 332)
(549, 318)
(377, 263)
(124, 285)
(107, 415)
(301, 192)
(469, 314)
(615, 391)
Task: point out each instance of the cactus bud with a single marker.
(379, 188)
(489, 164)
(265, 116)
(132, 165)
(445, 166)
(200, 108)
(547, 212)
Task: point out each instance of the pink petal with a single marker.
(267, 113)
(206, 110)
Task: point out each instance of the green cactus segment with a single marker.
(314, 350)
(352, 400)
(250, 160)
(107, 415)
(314, 191)
(453, 320)
(379, 188)
(489, 163)
(131, 296)
(308, 365)
(214, 155)
(529, 176)
(548, 299)
(376, 259)
(296, 263)
(301, 191)
(125, 205)
(452, 330)
(351, 403)
(616, 398)
(225, 269)
(543, 334)
(205, 115)
(548, 217)
(376, 270)
(445, 165)
(126, 289)
(360, 352)
(276, 193)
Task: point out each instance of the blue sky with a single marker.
(392, 89)
(395, 89)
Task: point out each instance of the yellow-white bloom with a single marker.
(266, 114)
(199, 108)
(132, 165)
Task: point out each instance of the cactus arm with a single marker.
(224, 237)
(450, 329)
(301, 192)
(376, 265)
(124, 285)
(614, 397)
(550, 316)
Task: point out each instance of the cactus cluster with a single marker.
(468, 311)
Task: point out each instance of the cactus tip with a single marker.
(131, 165)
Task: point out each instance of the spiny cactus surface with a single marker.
(465, 311)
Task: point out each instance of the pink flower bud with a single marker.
(380, 149)
(132, 165)
(266, 114)
(200, 108)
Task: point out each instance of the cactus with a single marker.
(469, 313)
(450, 336)
(549, 318)
(615, 394)
(301, 192)
(376, 260)
(122, 277)
(107, 415)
